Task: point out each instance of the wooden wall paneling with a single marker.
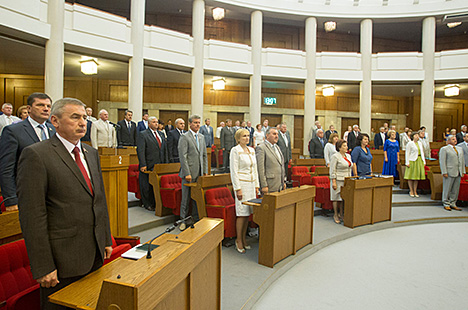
(386, 106)
(299, 133)
(2, 89)
(165, 115)
(452, 42)
(223, 116)
(18, 89)
(79, 88)
(281, 36)
(326, 103)
(442, 121)
(349, 104)
(285, 98)
(231, 96)
(273, 119)
(167, 93)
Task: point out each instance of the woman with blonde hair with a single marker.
(244, 178)
(391, 155)
(22, 112)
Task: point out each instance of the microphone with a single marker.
(115, 125)
(167, 230)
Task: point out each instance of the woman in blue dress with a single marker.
(362, 156)
(391, 155)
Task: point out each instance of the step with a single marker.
(140, 219)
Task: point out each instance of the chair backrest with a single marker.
(220, 196)
(321, 181)
(299, 170)
(2, 205)
(133, 169)
(15, 271)
(171, 181)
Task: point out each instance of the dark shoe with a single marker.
(149, 208)
(456, 208)
(448, 208)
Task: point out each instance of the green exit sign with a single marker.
(269, 100)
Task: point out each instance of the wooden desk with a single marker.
(309, 162)
(296, 153)
(436, 180)
(128, 150)
(184, 273)
(286, 221)
(155, 180)
(203, 183)
(10, 229)
(401, 171)
(367, 201)
(321, 171)
(377, 160)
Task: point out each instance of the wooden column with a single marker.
(115, 176)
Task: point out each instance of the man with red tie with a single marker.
(151, 150)
(62, 203)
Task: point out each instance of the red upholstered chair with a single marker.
(312, 169)
(121, 245)
(133, 180)
(435, 153)
(2, 205)
(221, 204)
(18, 289)
(425, 184)
(463, 193)
(171, 192)
(322, 194)
(300, 176)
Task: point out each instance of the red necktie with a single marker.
(157, 138)
(76, 151)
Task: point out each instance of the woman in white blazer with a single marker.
(244, 177)
(340, 168)
(414, 161)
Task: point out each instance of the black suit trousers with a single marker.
(146, 190)
(226, 162)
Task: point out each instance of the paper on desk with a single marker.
(134, 253)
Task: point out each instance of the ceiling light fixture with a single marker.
(329, 26)
(328, 90)
(89, 65)
(453, 24)
(451, 90)
(218, 13)
(219, 83)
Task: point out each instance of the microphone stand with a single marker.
(167, 230)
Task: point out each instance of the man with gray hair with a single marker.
(314, 128)
(7, 118)
(284, 143)
(452, 168)
(379, 139)
(102, 132)
(352, 137)
(461, 134)
(193, 163)
(62, 206)
(173, 140)
(317, 144)
(270, 163)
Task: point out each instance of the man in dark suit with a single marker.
(151, 150)
(16, 137)
(284, 143)
(173, 140)
(143, 124)
(317, 144)
(460, 136)
(352, 137)
(330, 131)
(169, 126)
(251, 132)
(62, 205)
(127, 132)
(207, 131)
(193, 163)
(87, 136)
(379, 139)
(227, 143)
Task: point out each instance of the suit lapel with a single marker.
(30, 130)
(192, 138)
(271, 148)
(153, 138)
(93, 166)
(68, 160)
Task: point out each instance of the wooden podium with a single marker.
(184, 273)
(115, 176)
(367, 201)
(286, 221)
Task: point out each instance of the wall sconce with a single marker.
(453, 24)
(328, 90)
(451, 90)
(329, 26)
(218, 14)
(89, 65)
(219, 83)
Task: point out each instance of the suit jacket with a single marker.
(208, 133)
(103, 134)
(285, 150)
(168, 128)
(63, 224)
(3, 121)
(127, 137)
(459, 137)
(193, 161)
(378, 140)
(328, 133)
(173, 144)
(14, 139)
(464, 147)
(141, 126)
(251, 131)
(450, 162)
(412, 153)
(316, 148)
(270, 168)
(227, 138)
(87, 136)
(148, 150)
(352, 140)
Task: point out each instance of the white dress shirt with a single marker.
(276, 148)
(37, 129)
(70, 147)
